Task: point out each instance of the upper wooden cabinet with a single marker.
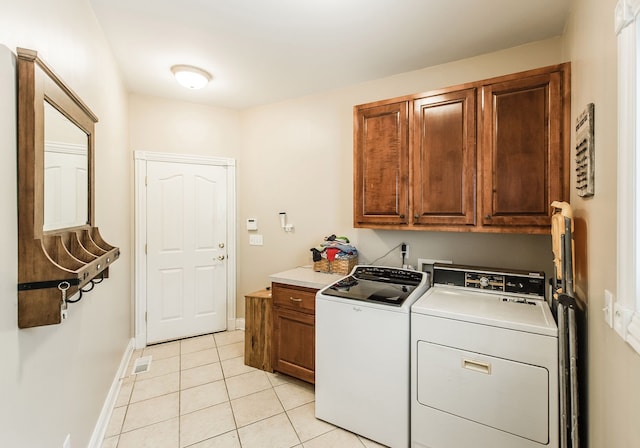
(524, 155)
(488, 156)
(444, 158)
(382, 164)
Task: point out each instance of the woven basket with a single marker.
(338, 266)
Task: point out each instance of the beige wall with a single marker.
(54, 380)
(614, 368)
(160, 125)
(297, 157)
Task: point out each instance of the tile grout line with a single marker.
(286, 412)
(226, 387)
(135, 381)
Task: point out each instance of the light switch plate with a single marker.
(255, 240)
(608, 308)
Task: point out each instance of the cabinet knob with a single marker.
(402, 216)
(487, 217)
(220, 257)
(416, 217)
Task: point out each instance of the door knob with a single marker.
(220, 257)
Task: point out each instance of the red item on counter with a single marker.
(331, 253)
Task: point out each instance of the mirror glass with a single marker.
(66, 172)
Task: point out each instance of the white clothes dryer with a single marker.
(484, 352)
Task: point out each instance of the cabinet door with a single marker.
(444, 158)
(294, 343)
(381, 164)
(523, 149)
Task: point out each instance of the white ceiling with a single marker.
(262, 51)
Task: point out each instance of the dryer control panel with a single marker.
(489, 279)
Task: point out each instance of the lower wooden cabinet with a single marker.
(293, 339)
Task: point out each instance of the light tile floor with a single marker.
(199, 393)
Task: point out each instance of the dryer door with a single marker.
(505, 395)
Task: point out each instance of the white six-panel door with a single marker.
(66, 175)
(186, 274)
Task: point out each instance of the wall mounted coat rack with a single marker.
(60, 250)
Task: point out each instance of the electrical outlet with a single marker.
(405, 248)
(67, 442)
(621, 318)
(608, 308)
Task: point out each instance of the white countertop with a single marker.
(305, 276)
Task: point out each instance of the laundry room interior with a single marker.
(355, 194)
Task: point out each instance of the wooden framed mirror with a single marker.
(60, 249)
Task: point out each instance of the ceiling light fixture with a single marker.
(191, 77)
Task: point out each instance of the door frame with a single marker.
(140, 233)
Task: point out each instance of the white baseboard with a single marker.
(105, 414)
(240, 323)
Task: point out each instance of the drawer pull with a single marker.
(293, 299)
(476, 366)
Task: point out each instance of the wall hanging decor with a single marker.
(61, 253)
(585, 170)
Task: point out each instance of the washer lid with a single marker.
(497, 310)
(379, 284)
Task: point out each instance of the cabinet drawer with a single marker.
(294, 297)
